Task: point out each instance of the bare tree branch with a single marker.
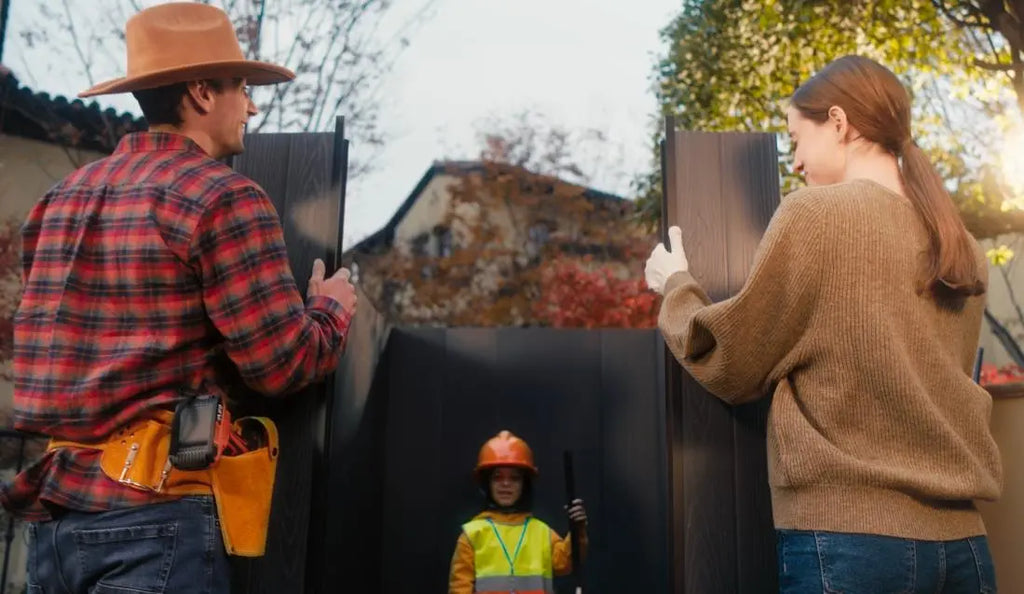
(994, 17)
(259, 30)
(972, 10)
(1005, 273)
(278, 91)
(319, 97)
(994, 67)
(1005, 338)
(86, 63)
(341, 51)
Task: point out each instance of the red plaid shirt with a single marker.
(153, 271)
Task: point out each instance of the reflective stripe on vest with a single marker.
(530, 570)
(520, 584)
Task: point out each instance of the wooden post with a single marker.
(721, 190)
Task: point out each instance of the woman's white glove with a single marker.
(663, 263)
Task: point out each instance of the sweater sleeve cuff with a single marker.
(683, 279)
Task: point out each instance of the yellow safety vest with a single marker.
(511, 558)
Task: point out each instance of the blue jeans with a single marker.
(165, 547)
(826, 562)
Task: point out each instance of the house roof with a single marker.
(58, 120)
(386, 234)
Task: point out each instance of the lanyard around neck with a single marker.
(511, 559)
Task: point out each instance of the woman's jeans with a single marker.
(151, 549)
(822, 562)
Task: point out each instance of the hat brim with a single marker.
(489, 465)
(255, 73)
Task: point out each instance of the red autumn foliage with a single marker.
(10, 289)
(571, 296)
(995, 376)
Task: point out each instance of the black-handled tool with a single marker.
(570, 491)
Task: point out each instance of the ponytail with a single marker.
(952, 265)
(878, 107)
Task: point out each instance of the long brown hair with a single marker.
(878, 106)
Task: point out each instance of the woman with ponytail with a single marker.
(861, 316)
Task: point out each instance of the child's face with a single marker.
(506, 485)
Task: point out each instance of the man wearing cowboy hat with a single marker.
(151, 274)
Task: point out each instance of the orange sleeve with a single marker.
(463, 572)
(561, 552)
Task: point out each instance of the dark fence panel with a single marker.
(752, 199)
(349, 551)
(721, 189)
(596, 393)
(701, 426)
(303, 174)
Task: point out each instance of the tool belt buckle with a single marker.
(126, 479)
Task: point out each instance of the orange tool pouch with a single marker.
(242, 485)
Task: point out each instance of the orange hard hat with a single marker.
(505, 449)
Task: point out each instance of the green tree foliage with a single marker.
(731, 65)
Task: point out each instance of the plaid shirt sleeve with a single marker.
(278, 344)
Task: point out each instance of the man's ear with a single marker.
(200, 95)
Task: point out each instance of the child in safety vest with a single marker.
(504, 548)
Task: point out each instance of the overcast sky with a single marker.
(584, 64)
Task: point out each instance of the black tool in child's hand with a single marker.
(575, 527)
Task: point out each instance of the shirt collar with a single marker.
(146, 142)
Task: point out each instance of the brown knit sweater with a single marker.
(876, 426)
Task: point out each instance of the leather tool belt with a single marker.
(242, 485)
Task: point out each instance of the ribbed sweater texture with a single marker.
(875, 426)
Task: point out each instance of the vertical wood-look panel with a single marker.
(706, 423)
(296, 171)
(409, 539)
(750, 199)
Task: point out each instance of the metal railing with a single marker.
(21, 438)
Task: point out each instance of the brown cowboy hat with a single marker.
(183, 41)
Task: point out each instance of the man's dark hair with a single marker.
(162, 105)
